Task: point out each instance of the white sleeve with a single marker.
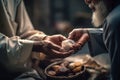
(14, 52)
(23, 20)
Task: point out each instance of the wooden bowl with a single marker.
(79, 75)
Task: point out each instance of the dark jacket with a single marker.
(111, 37)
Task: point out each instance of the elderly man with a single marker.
(18, 39)
(106, 13)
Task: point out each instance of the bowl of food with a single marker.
(65, 70)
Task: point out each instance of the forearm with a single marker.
(33, 35)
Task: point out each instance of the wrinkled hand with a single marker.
(80, 36)
(51, 50)
(56, 39)
(54, 46)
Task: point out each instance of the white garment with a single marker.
(14, 21)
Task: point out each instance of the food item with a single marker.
(65, 68)
(52, 73)
(67, 44)
(74, 64)
(65, 63)
(71, 65)
(56, 68)
(77, 64)
(92, 63)
(77, 69)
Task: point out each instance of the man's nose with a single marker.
(88, 1)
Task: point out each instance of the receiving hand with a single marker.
(52, 47)
(80, 36)
(56, 39)
(54, 42)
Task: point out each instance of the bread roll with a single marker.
(56, 68)
(71, 65)
(67, 44)
(52, 73)
(77, 64)
(77, 69)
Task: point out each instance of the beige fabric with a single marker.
(14, 21)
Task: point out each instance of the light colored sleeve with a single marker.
(25, 25)
(14, 52)
(22, 19)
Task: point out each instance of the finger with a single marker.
(53, 46)
(77, 47)
(75, 34)
(62, 54)
(61, 38)
(68, 52)
(71, 35)
(84, 38)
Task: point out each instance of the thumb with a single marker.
(61, 38)
(71, 35)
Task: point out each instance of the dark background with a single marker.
(45, 14)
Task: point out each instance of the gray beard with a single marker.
(100, 14)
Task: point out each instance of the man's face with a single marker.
(99, 11)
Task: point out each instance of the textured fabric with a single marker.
(95, 43)
(13, 52)
(31, 75)
(14, 22)
(111, 36)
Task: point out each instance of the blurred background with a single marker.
(61, 16)
(58, 16)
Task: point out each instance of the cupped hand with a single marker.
(56, 39)
(53, 50)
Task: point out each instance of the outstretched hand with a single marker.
(51, 46)
(54, 46)
(80, 36)
(56, 39)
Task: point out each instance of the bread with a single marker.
(67, 44)
(77, 69)
(56, 68)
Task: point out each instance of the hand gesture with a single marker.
(80, 36)
(51, 46)
(56, 39)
